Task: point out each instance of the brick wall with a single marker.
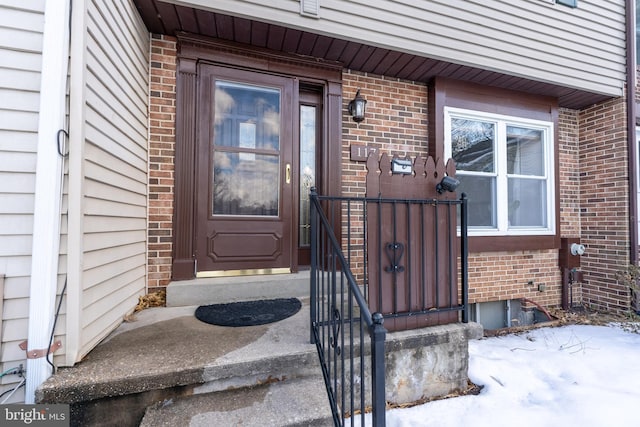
(569, 176)
(569, 172)
(162, 113)
(604, 203)
(593, 203)
(497, 276)
(396, 123)
(637, 97)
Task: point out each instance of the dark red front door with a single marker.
(246, 170)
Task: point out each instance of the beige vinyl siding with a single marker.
(115, 168)
(581, 48)
(21, 27)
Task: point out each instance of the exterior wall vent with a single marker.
(570, 3)
(310, 8)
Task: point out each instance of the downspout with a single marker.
(631, 131)
(48, 192)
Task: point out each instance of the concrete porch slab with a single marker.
(167, 355)
(168, 347)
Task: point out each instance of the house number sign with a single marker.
(360, 153)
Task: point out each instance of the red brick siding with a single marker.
(604, 201)
(593, 202)
(505, 275)
(637, 97)
(162, 113)
(569, 177)
(396, 123)
(569, 172)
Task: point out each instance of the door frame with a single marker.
(194, 49)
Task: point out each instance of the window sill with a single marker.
(512, 243)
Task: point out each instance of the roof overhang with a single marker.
(166, 18)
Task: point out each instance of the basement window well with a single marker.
(505, 314)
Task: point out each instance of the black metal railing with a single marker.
(349, 338)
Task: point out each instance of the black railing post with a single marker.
(464, 253)
(379, 402)
(312, 291)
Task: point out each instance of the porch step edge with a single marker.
(218, 290)
(301, 402)
(203, 379)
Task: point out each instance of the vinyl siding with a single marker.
(21, 27)
(581, 48)
(115, 168)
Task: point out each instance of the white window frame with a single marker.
(501, 122)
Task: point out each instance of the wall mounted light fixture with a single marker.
(357, 107)
(447, 184)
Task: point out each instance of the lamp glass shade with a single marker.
(357, 107)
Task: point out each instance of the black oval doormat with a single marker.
(248, 313)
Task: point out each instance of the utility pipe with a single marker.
(48, 190)
(539, 307)
(631, 131)
(632, 140)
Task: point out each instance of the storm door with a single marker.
(245, 172)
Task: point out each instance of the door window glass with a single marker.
(246, 144)
(307, 168)
(245, 185)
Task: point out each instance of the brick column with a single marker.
(162, 113)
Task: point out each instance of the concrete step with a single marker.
(219, 290)
(222, 376)
(300, 402)
(167, 353)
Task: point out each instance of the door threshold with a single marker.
(248, 272)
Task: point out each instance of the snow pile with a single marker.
(568, 376)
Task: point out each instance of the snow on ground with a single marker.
(568, 376)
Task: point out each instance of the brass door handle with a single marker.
(287, 174)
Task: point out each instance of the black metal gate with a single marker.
(350, 338)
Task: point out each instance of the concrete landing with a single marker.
(167, 353)
(239, 288)
(174, 370)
